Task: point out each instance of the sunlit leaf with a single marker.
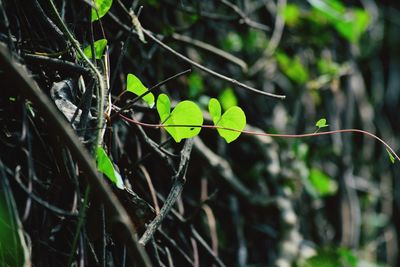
(227, 98)
(134, 85)
(99, 47)
(321, 123)
(163, 106)
(102, 8)
(105, 166)
(233, 118)
(183, 122)
(214, 108)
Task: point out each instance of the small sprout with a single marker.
(321, 123)
(391, 157)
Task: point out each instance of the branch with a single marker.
(211, 49)
(154, 87)
(176, 190)
(197, 65)
(92, 67)
(62, 64)
(224, 170)
(244, 18)
(21, 80)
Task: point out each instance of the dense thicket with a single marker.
(330, 200)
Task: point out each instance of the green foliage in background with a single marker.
(293, 68)
(350, 23)
(227, 98)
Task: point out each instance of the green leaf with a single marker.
(391, 157)
(292, 68)
(134, 85)
(233, 118)
(291, 13)
(99, 47)
(333, 10)
(102, 8)
(214, 108)
(350, 23)
(233, 42)
(185, 113)
(163, 107)
(324, 258)
(326, 66)
(348, 257)
(195, 84)
(227, 98)
(105, 166)
(322, 183)
(321, 123)
(354, 25)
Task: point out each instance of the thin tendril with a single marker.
(155, 125)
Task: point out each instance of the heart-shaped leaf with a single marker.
(182, 121)
(99, 47)
(105, 166)
(234, 118)
(102, 7)
(163, 107)
(134, 85)
(214, 108)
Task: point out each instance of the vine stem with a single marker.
(93, 69)
(156, 125)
